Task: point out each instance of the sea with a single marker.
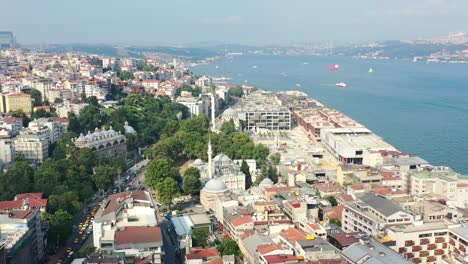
(418, 107)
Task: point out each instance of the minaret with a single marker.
(175, 69)
(210, 162)
(213, 113)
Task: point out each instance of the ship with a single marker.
(371, 70)
(341, 84)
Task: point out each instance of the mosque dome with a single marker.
(230, 113)
(221, 157)
(129, 129)
(198, 162)
(215, 186)
(266, 181)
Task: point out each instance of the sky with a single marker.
(254, 22)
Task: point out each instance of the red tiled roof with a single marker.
(279, 258)
(293, 234)
(201, 253)
(242, 220)
(347, 198)
(462, 185)
(357, 187)
(345, 239)
(22, 196)
(266, 248)
(390, 178)
(278, 189)
(21, 214)
(138, 234)
(336, 212)
(387, 173)
(8, 205)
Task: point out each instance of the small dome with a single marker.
(266, 181)
(215, 186)
(221, 157)
(129, 129)
(230, 113)
(198, 162)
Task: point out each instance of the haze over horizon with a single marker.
(260, 22)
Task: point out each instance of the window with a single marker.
(358, 152)
(412, 167)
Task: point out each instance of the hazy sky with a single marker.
(230, 21)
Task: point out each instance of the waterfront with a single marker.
(417, 107)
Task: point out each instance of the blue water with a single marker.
(417, 107)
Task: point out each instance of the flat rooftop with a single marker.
(357, 138)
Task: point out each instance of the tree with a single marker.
(92, 100)
(167, 190)
(73, 123)
(229, 247)
(275, 158)
(68, 201)
(125, 75)
(18, 179)
(149, 68)
(90, 118)
(263, 174)
(58, 101)
(36, 96)
(192, 171)
(331, 199)
(237, 91)
(21, 114)
(191, 184)
(228, 128)
(104, 177)
(40, 113)
(273, 174)
(60, 227)
(246, 170)
(334, 221)
(86, 250)
(159, 170)
(200, 237)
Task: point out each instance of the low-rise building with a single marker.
(196, 105)
(32, 146)
(368, 250)
(15, 101)
(372, 213)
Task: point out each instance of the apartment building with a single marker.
(438, 181)
(54, 128)
(15, 101)
(371, 214)
(32, 146)
(369, 250)
(126, 224)
(196, 105)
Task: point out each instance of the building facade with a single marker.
(15, 101)
(105, 143)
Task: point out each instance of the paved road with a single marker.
(170, 243)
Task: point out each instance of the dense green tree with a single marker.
(275, 158)
(64, 146)
(60, 227)
(229, 247)
(158, 170)
(21, 114)
(228, 128)
(171, 127)
(199, 124)
(191, 184)
(92, 100)
(125, 75)
(248, 178)
(200, 237)
(18, 179)
(331, 199)
(168, 189)
(40, 113)
(262, 175)
(58, 101)
(237, 91)
(273, 174)
(68, 201)
(90, 118)
(150, 68)
(86, 250)
(36, 97)
(73, 123)
(192, 171)
(104, 177)
(47, 177)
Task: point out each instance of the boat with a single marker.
(335, 67)
(371, 70)
(298, 85)
(217, 66)
(305, 63)
(341, 84)
(255, 66)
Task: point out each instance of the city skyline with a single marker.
(260, 23)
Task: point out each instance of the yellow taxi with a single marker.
(83, 237)
(69, 250)
(60, 261)
(76, 240)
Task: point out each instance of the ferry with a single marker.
(341, 84)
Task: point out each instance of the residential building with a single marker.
(12, 124)
(32, 146)
(432, 211)
(7, 40)
(21, 232)
(438, 181)
(126, 223)
(372, 213)
(105, 143)
(7, 150)
(196, 105)
(15, 101)
(249, 246)
(55, 129)
(316, 248)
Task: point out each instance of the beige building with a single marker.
(15, 101)
(32, 147)
(214, 189)
(438, 181)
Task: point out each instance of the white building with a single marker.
(371, 214)
(32, 147)
(196, 106)
(354, 145)
(55, 129)
(7, 150)
(203, 81)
